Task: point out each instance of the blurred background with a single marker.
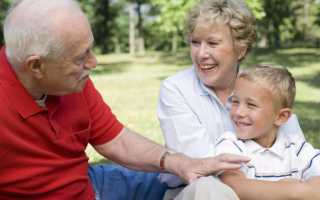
(141, 42)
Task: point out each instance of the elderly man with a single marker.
(50, 111)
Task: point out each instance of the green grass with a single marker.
(131, 87)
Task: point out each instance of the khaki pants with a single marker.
(205, 188)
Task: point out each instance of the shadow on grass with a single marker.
(115, 67)
(309, 119)
(285, 57)
(181, 58)
(313, 80)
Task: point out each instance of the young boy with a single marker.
(261, 102)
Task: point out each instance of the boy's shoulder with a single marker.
(229, 143)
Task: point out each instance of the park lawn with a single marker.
(130, 86)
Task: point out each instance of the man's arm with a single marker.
(250, 189)
(137, 152)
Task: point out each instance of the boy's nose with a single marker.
(241, 111)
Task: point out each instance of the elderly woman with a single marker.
(193, 106)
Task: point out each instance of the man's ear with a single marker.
(283, 116)
(34, 65)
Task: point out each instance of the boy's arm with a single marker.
(313, 185)
(250, 189)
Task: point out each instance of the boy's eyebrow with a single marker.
(250, 99)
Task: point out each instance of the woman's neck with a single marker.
(223, 94)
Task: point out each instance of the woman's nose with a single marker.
(204, 50)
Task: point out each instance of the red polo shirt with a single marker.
(42, 151)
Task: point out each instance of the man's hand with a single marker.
(189, 169)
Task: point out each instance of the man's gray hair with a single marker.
(28, 29)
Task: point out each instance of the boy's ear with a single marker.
(283, 116)
(34, 65)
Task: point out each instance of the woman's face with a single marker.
(214, 54)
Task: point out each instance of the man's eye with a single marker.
(79, 61)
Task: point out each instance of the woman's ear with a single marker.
(283, 116)
(242, 51)
(34, 65)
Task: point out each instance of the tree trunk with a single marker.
(305, 18)
(117, 47)
(174, 42)
(140, 38)
(132, 30)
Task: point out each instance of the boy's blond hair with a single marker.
(278, 80)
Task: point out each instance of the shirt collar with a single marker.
(281, 144)
(205, 91)
(17, 95)
(201, 88)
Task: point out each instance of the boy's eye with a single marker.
(252, 105)
(213, 43)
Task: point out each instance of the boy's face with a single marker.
(253, 112)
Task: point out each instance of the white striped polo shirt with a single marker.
(287, 158)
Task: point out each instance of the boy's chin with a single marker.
(243, 137)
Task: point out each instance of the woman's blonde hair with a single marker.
(234, 13)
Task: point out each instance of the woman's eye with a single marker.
(195, 42)
(235, 102)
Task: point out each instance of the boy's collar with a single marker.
(281, 144)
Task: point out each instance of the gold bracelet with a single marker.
(162, 160)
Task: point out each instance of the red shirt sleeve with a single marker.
(104, 124)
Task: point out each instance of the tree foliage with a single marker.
(4, 5)
(159, 24)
